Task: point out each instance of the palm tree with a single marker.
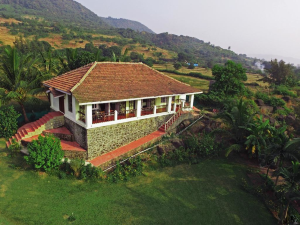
(237, 118)
(19, 78)
(290, 188)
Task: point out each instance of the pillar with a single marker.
(169, 109)
(192, 97)
(175, 106)
(88, 116)
(138, 108)
(154, 109)
(116, 115)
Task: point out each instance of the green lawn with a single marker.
(206, 193)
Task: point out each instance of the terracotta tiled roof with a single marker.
(67, 81)
(117, 81)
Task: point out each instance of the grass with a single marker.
(206, 193)
(201, 84)
(170, 66)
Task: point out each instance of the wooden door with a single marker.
(62, 104)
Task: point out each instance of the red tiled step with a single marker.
(31, 127)
(124, 149)
(61, 130)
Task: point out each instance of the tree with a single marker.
(8, 122)
(229, 78)
(19, 78)
(280, 73)
(177, 65)
(191, 66)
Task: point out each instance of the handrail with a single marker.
(172, 119)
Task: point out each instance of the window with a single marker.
(70, 103)
(173, 99)
(95, 106)
(163, 100)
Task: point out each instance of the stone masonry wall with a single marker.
(183, 117)
(104, 139)
(55, 122)
(80, 133)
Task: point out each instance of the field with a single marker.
(170, 66)
(206, 193)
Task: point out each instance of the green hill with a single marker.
(66, 23)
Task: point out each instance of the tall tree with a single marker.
(19, 78)
(229, 78)
(280, 73)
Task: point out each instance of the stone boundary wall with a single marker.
(55, 122)
(79, 132)
(105, 139)
(75, 155)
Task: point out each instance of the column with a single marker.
(116, 115)
(175, 106)
(192, 97)
(138, 108)
(169, 104)
(88, 116)
(154, 109)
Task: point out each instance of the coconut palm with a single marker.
(19, 78)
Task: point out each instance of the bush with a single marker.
(283, 90)
(8, 122)
(15, 147)
(45, 153)
(272, 101)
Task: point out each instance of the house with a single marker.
(107, 105)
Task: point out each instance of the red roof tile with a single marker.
(117, 81)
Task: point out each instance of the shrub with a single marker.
(283, 90)
(272, 101)
(76, 165)
(8, 122)
(15, 147)
(45, 153)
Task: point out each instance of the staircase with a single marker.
(48, 121)
(168, 124)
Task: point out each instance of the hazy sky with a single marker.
(269, 27)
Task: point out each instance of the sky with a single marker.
(262, 28)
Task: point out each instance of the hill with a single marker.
(127, 24)
(66, 23)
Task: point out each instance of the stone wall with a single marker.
(105, 139)
(55, 122)
(80, 133)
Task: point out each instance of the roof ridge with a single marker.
(84, 76)
(71, 71)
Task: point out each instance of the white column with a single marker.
(51, 100)
(138, 108)
(169, 104)
(108, 107)
(116, 115)
(192, 97)
(174, 106)
(154, 109)
(182, 103)
(88, 116)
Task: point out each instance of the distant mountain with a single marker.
(278, 57)
(124, 23)
(67, 11)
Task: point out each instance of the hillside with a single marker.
(124, 23)
(68, 24)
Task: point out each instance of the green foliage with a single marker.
(15, 147)
(191, 66)
(177, 65)
(229, 78)
(280, 73)
(270, 100)
(45, 153)
(283, 90)
(8, 122)
(131, 168)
